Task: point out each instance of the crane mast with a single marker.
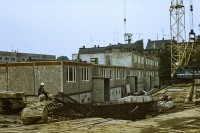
(178, 36)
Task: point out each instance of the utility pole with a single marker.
(157, 36)
(163, 33)
(99, 41)
(115, 32)
(124, 17)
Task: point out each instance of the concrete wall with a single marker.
(120, 59)
(79, 85)
(76, 97)
(85, 97)
(115, 93)
(132, 80)
(98, 90)
(147, 83)
(138, 63)
(157, 81)
(140, 87)
(74, 56)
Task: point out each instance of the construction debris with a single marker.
(197, 96)
(67, 107)
(11, 102)
(64, 106)
(136, 99)
(34, 113)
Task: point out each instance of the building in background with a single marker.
(158, 44)
(144, 68)
(21, 57)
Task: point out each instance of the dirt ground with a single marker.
(187, 121)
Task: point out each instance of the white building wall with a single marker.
(85, 97)
(120, 59)
(115, 93)
(140, 64)
(74, 56)
(87, 57)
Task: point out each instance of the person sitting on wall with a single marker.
(42, 91)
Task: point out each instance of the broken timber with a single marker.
(67, 107)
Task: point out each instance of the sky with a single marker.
(61, 27)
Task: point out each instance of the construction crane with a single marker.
(180, 49)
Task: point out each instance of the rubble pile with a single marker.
(197, 100)
(11, 102)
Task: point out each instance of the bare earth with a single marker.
(187, 121)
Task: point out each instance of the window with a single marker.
(71, 74)
(94, 60)
(102, 73)
(7, 58)
(117, 74)
(123, 74)
(1, 58)
(85, 74)
(142, 60)
(139, 76)
(111, 74)
(139, 58)
(13, 59)
(142, 74)
(23, 59)
(135, 58)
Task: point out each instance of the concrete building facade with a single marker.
(139, 65)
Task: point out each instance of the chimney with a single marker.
(95, 46)
(83, 46)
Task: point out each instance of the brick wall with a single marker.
(3, 78)
(26, 77)
(50, 75)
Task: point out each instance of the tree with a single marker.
(165, 64)
(195, 60)
(63, 58)
(198, 38)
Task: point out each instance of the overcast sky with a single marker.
(61, 27)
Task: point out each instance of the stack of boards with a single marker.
(11, 102)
